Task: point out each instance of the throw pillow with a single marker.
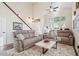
(26, 36)
(20, 36)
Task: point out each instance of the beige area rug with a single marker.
(62, 50)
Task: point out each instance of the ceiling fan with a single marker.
(50, 9)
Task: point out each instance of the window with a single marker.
(58, 22)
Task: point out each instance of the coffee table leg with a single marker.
(44, 50)
(56, 46)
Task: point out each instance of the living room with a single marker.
(36, 16)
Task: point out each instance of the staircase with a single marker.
(16, 14)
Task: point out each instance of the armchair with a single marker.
(52, 36)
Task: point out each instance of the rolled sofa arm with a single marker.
(39, 37)
(18, 45)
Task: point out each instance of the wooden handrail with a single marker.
(17, 15)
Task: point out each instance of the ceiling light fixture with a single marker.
(51, 9)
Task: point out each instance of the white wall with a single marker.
(65, 10)
(23, 9)
(39, 11)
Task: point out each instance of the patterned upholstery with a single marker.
(29, 41)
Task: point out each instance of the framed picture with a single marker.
(77, 5)
(17, 26)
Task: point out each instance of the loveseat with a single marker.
(25, 40)
(66, 37)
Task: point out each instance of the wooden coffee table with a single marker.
(46, 46)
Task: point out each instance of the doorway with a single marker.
(3, 35)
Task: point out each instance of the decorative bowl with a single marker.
(46, 41)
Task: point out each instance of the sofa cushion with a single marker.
(26, 36)
(28, 42)
(20, 36)
(64, 39)
(26, 33)
(31, 34)
(64, 34)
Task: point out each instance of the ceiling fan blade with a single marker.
(54, 10)
(55, 7)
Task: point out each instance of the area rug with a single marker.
(62, 50)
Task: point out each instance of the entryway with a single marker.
(2, 31)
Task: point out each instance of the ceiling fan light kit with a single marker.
(51, 9)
